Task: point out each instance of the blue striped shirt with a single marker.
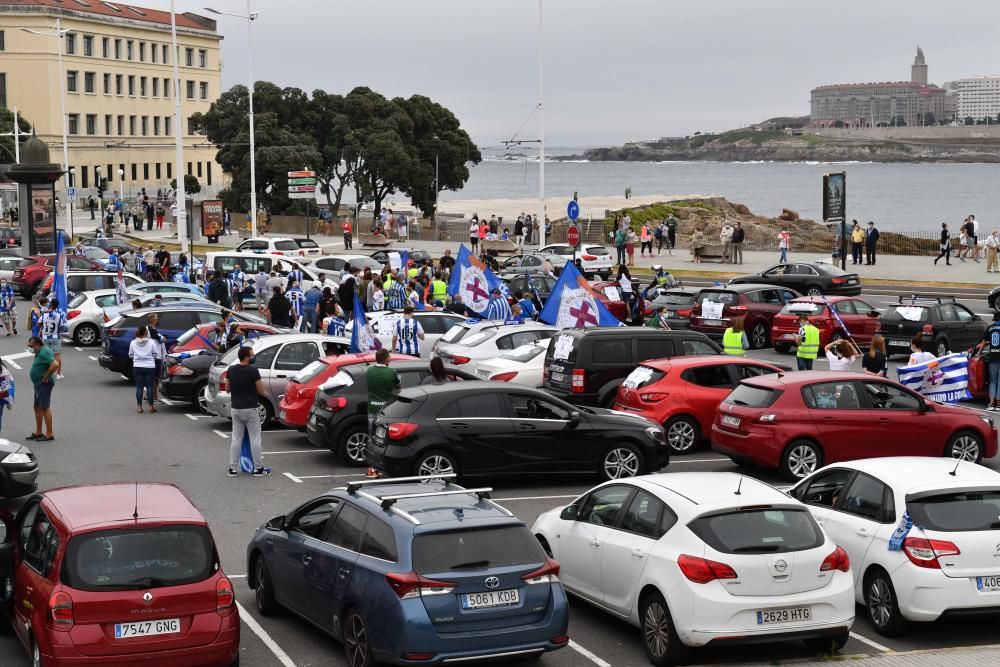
(396, 297)
(408, 332)
(335, 325)
(497, 309)
(297, 299)
(295, 275)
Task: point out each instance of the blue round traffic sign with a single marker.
(573, 210)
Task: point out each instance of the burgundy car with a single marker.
(860, 318)
(32, 270)
(755, 304)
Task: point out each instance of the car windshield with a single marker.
(25, 263)
(799, 307)
(598, 250)
(286, 245)
(77, 300)
(454, 334)
(763, 530)
(955, 511)
(135, 559)
(905, 312)
(523, 354)
(477, 338)
(310, 371)
(503, 546)
(674, 299)
(750, 396)
(306, 243)
(718, 296)
(642, 376)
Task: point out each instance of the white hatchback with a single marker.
(697, 559)
(595, 259)
(477, 340)
(523, 365)
(947, 560)
(435, 324)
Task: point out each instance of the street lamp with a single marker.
(121, 179)
(100, 192)
(249, 17)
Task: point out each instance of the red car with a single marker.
(609, 293)
(683, 393)
(298, 399)
(201, 336)
(859, 316)
(117, 573)
(756, 304)
(979, 375)
(801, 421)
(32, 270)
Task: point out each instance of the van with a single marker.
(252, 263)
(585, 366)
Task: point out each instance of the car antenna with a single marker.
(952, 473)
(135, 511)
(739, 485)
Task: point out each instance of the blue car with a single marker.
(411, 571)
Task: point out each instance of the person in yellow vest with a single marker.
(440, 289)
(807, 342)
(734, 341)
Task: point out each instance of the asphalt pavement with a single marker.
(100, 437)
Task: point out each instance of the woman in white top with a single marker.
(144, 353)
(841, 354)
(919, 356)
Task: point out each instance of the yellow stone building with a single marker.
(119, 89)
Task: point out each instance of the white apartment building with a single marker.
(978, 98)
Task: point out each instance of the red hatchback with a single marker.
(298, 399)
(801, 421)
(201, 336)
(32, 270)
(609, 293)
(860, 317)
(115, 574)
(717, 307)
(683, 393)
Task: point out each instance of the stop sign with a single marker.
(573, 235)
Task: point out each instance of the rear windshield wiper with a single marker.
(756, 548)
(737, 401)
(147, 582)
(471, 564)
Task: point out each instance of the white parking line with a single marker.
(220, 433)
(292, 451)
(12, 363)
(718, 460)
(255, 628)
(292, 477)
(78, 349)
(588, 655)
(874, 644)
(301, 477)
(166, 401)
(192, 417)
(92, 357)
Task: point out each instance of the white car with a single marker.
(333, 265)
(85, 314)
(694, 559)
(435, 324)
(486, 339)
(949, 562)
(301, 249)
(522, 365)
(595, 259)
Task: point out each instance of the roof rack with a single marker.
(926, 297)
(388, 501)
(448, 478)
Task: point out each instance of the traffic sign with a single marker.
(71, 194)
(302, 195)
(302, 188)
(302, 181)
(302, 174)
(573, 235)
(573, 210)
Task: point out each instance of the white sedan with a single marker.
(435, 324)
(697, 559)
(947, 561)
(474, 341)
(522, 365)
(595, 259)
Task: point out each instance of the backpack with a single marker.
(620, 237)
(658, 233)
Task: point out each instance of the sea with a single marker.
(898, 197)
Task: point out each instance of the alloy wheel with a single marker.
(86, 335)
(356, 641)
(966, 448)
(655, 630)
(354, 447)
(435, 464)
(802, 460)
(758, 336)
(261, 575)
(879, 602)
(621, 462)
(814, 291)
(203, 399)
(262, 414)
(680, 436)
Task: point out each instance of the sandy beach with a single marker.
(590, 207)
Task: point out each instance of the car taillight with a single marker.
(737, 310)
(412, 585)
(838, 560)
(925, 553)
(579, 379)
(336, 403)
(684, 313)
(177, 369)
(927, 329)
(225, 598)
(278, 252)
(838, 281)
(61, 609)
(545, 375)
(702, 570)
(504, 377)
(654, 396)
(458, 361)
(546, 574)
(115, 333)
(399, 430)
(224, 381)
(589, 258)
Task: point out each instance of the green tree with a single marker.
(7, 153)
(191, 184)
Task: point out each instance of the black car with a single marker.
(108, 244)
(18, 470)
(338, 419)
(10, 237)
(519, 282)
(994, 299)
(585, 366)
(416, 256)
(186, 377)
(943, 324)
(811, 278)
(678, 301)
(495, 428)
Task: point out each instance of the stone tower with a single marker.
(918, 71)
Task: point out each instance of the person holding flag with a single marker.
(245, 386)
(297, 300)
(362, 334)
(295, 276)
(474, 282)
(8, 307)
(38, 307)
(408, 334)
(53, 325)
(497, 308)
(527, 307)
(574, 304)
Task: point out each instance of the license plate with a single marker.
(167, 626)
(491, 599)
(558, 377)
(380, 432)
(790, 615)
(730, 420)
(852, 281)
(712, 323)
(671, 313)
(899, 343)
(787, 336)
(988, 584)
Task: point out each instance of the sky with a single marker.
(615, 70)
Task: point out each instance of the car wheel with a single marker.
(621, 461)
(353, 444)
(758, 336)
(683, 434)
(801, 458)
(435, 463)
(782, 348)
(265, 412)
(814, 290)
(356, 646)
(941, 347)
(199, 398)
(827, 645)
(659, 637)
(86, 334)
(882, 605)
(965, 445)
(264, 591)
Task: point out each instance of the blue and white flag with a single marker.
(574, 303)
(59, 275)
(246, 454)
(363, 337)
(7, 385)
(836, 316)
(945, 380)
(473, 281)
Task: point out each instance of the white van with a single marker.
(252, 262)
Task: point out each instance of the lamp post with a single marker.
(249, 17)
(180, 207)
(541, 128)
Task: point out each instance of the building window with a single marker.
(129, 49)
(121, 168)
(89, 83)
(118, 49)
(190, 90)
(131, 85)
(170, 170)
(71, 81)
(107, 124)
(142, 52)
(166, 125)
(88, 45)
(203, 90)
(142, 86)
(152, 52)
(135, 172)
(74, 123)
(159, 173)
(189, 170)
(145, 171)
(118, 84)
(2, 45)
(84, 180)
(156, 126)
(189, 57)
(3, 90)
(105, 46)
(145, 126)
(70, 43)
(131, 126)
(202, 58)
(110, 174)
(156, 86)
(107, 84)
(91, 123)
(166, 87)
(166, 60)
(208, 171)
(121, 131)
(199, 170)
(190, 131)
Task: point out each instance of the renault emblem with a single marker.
(780, 565)
(492, 582)
(147, 598)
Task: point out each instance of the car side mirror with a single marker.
(574, 418)
(569, 513)
(873, 313)
(277, 523)
(926, 406)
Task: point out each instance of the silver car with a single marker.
(278, 358)
(85, 314)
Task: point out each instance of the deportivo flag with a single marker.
(574, 303)
(246, 454)
(473, 281)
(59, 275)
(121, 291)
(945, 380)
(362, 335)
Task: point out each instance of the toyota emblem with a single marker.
(492, 582)
(147, 598)
(780, 565)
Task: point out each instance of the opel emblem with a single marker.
(780, 565)
(147, 598)
(492, 582)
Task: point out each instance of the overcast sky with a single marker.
(615, 70)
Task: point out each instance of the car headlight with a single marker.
(988, 420)
(17, 457)
(656, 434)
